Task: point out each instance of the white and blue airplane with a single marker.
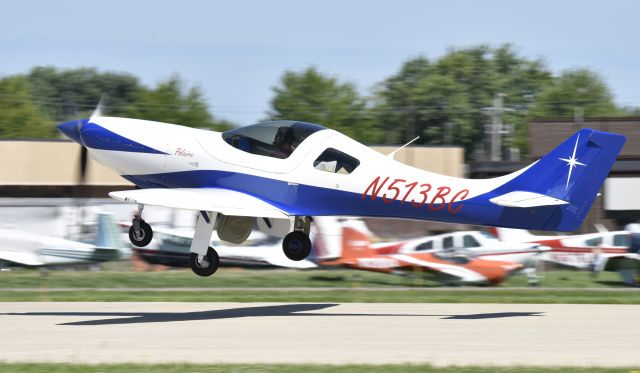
(279, 174)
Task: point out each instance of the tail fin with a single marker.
(566, 180)
(108, 241)
(355, 243)
(512, 235)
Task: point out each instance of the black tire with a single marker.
(145, 236)
(208, 266)
(296, 246)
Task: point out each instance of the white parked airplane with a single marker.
(30, 249)
(171, 247)
(282, 173)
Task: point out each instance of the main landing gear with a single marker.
(204, 265)
(140, 233)
(204, 259)
(297, 245)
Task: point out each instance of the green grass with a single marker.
(235, 285)
(225, 277)
(232, 278)
(338, 296)
(189, 368)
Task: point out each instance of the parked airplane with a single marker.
(284, 172)
(171, 247)
(30, 249)
(479, 244)
(596, 251)
(442, 265)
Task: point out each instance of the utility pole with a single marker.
(495, 128)
(410, 126)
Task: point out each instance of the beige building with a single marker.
(50, 168)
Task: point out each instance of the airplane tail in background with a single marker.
(108, 242)
(512, 235)
(564, 183)
(340, 241)
(355, 244)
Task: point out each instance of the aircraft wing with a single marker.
(453, 271)
(25, 258)
(225, 201)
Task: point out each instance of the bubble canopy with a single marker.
(277, 139)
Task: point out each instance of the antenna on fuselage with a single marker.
(393, 153)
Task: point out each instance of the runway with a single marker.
(441, 334)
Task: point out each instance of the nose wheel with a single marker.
(205, 265)
(296, 246)
(142, 234)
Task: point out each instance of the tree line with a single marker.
(444, 101)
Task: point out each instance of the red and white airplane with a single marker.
(477, 243)
(441, 265)
(596, 251)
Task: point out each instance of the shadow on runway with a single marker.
(496, 315)
(261, 311)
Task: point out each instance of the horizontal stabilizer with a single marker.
(526, 199)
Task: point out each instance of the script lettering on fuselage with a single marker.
(399, 190)
(183, 153)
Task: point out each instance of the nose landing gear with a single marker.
(140, 233)
(297, 245)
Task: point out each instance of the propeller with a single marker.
(73, 130)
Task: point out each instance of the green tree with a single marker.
(312, 97)
(172, 102)
(574, 91)
(68, 94)
(444, 101)
(19, 117)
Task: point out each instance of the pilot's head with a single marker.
(284, 137)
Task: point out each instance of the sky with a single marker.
(236, 51)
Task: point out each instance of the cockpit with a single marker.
(277, 139)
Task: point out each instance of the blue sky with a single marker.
(236, 51)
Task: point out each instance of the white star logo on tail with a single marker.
(572, 162)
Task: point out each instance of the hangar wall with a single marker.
(37, 168)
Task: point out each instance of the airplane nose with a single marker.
(72, 129)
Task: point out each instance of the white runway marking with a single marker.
(441, 334)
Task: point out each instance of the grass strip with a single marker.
(577, 296)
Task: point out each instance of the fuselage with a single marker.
(160, 155)
(478, 244)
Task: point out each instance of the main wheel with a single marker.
(296, 246)
(142, 238)
(207, 265)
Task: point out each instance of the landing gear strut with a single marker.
(204, 265)
(204, 260)
(297, 245)
(140, 233)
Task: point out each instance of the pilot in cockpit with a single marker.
(284, 142)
